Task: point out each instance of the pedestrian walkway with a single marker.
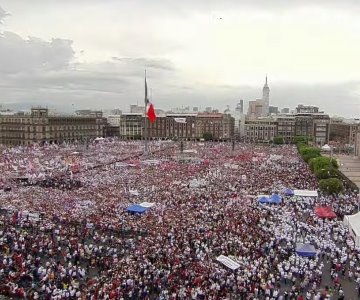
(350, 167)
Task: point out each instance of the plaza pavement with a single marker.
(350, 167)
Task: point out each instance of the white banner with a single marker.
(306, 193)
(180, 120)
(227, 261)
(134, 192)
(147, 204)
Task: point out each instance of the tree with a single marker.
(207, 136)
(322, 162)
(278, 140)
(308, 153)
(331, 186)
(325, 173)
(301, 140)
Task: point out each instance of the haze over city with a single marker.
(93, 53)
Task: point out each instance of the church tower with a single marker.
(265, 98)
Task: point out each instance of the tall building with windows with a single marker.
(261, 130)
(286, 127)
(240, 107)
(260, 107)
(266, 98)
(316, 126)
(131, 125)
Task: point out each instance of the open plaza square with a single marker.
(101, 221)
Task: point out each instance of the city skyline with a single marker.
(93, 54)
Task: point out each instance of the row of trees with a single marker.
(324, 168)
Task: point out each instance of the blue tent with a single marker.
(137, 209)
(275, 198)
(306, 250)
(264, 199)
(289, 192)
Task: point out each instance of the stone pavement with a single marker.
(350, 167)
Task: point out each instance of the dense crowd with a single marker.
(81, 243)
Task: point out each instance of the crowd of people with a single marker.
(82, 243)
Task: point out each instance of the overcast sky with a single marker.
(92, 53)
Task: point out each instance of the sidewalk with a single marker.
(350, 167)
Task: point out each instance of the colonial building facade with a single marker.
(189, 126)
(286, 127)
(40, 127)
(131, 125)
(263, 130)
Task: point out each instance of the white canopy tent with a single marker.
(326, 147)
(306, 193)
(353, 223)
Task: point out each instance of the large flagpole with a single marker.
(145, 120)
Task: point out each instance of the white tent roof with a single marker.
(306, 193)
(326, 147)
(353, 223)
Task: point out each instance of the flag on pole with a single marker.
(151, 113)
(146, 92)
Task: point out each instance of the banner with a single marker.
(134, 192)
(180, 120)
(227, 261)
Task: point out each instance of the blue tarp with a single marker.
(289, 192)
(306, 250)
(264, 199)
(275, 198)
(136, 208)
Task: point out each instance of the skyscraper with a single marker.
(240, 107)
(266, 98)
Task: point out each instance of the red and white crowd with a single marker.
(60, 240)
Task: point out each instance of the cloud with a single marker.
(3, 14)
(191, 59)
(327, 96)
(162, 64)
(109, 85)
(33, 54)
